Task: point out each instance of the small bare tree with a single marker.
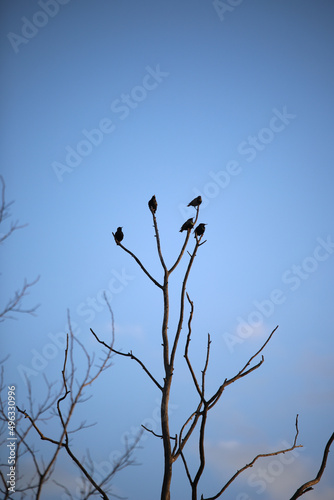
(60, 405)
(174, 443)
(27, 484)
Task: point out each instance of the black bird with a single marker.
(152, 204)
(189, 224)
(119, 235)
(199, 231)
(195, 202)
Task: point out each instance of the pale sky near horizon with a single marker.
(105, 104)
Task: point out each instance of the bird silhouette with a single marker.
(119, 234)
(195, 202)
(199, 231)
(189, 224)
(152, 204)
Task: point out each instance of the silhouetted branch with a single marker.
(184, 284)
(129, 355)
(158, 242)
(202, 412)
(183, 440)
(138, 262)
(242, 373)
(184, 245)
(308, 486)
(250, 464)
(200, 392)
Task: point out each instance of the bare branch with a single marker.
(250, 464)
(112, 319)
(129, 355)
(203, 413)
(152, 432)
(155, 434)
(5, 214)
(158, 242)
(184, 284)
(242, 373)
(308, 486)
(182, 441)
(200, 392)
(138, 261)
(14, 226)
(72, 391)
(60, 443)
(186, 467)
(14, 305)
(184, 244)
(206, 363)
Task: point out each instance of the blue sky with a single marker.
(105, 104)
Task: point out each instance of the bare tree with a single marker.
(72, 392)
(61, 405)
(14, 304)
(174, 443)
(27, 483)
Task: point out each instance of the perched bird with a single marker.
(199, 231)
(195, 202)
(152, 204)
(189, 224)
(119, 234)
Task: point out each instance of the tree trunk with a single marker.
(165, 491)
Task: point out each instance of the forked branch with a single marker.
(14, 304)
(242, 373)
